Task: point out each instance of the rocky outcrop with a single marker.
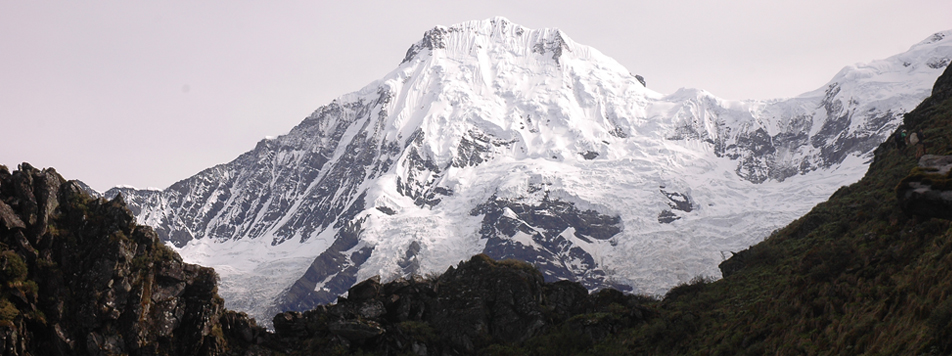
(548, 234)
(479, 303)
(928, 190)
(79, 277)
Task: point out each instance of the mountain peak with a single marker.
(936, 37)
(520, 143)
(467, 38)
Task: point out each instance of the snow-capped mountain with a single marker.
(493, 138)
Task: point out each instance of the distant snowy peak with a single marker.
(501, 41)
(849, 116)
(934, 57)
(921, 61)
(527, 93)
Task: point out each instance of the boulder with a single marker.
(364, 290)
(927, 191)
(355, 330)
(290, 324)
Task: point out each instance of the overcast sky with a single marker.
(146, 93)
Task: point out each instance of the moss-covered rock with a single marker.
(927, 191)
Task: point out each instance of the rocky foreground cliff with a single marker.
(80, 277)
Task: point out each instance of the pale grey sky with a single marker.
(146, 93)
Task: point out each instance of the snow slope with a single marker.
(493, 138)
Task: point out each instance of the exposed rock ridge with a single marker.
(79, 277)
(475, 307)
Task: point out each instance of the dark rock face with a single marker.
(679, 201)
(536, 234)
(641, 80)
(476, 147)
(282, 187)
(422, 173)
(735, 263)
(676, 201)
(432, 39)
(928, 190)
(554, 46)
(589, 155)
(667, 217)
(337, 266)
(501, 303)
(79, 277)
(480, 303)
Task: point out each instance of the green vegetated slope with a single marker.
(856, 275)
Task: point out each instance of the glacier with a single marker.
(493, 138)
